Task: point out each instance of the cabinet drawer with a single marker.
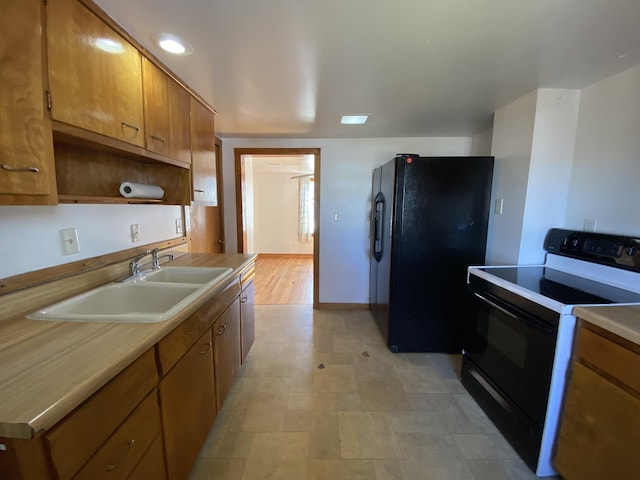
(120, 454)
(152, 464)
(77, 437)
(172, 347)
(615, 360)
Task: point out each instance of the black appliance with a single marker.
(429, 223)
(519, 330)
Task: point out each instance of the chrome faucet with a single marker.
(134, 265)
(155, 259)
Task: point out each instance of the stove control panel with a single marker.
(613, 250)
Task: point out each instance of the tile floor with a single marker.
(320, 397)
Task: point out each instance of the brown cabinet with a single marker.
(247, 313)
(600, 426)
(166, 114)
(81, 435)
(188, 406)
(226, 350)
(95, 74)
(203, 154)
(27, 174)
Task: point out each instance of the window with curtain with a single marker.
(305, 210)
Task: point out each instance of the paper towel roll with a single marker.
(140, 190)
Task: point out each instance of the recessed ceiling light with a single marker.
(353, 119)
(172, 44)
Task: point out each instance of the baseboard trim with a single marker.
(341, 306)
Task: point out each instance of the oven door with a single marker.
(513, 348)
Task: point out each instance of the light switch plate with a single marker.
(179, 228)
(135, 233)
(69, 241)
(498, 206)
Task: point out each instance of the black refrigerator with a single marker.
(429, 223)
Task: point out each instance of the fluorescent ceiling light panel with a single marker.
(353, 119)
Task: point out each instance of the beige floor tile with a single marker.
(349, 402)
(281, 456)
(213, 469)
(334, 378)
(390, 470)
(420, 379)
(484, 446)
(383, 395)
(267, 384)
(324, 439)
(438, 469)
(260, 412)
(297, 421)
(516, 469)
(312, 401)
(429, 447)
(366, 435)
(487, 469)
(341, 470)
(370, 367)
(235, 445)
(474, 413)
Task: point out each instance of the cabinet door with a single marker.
(600, 429)
(95, 74)
(226, 350)
(188, 407)
(247, 318)
(166, 114)
(26, 147)
(203, 157)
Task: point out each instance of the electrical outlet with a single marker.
(69, 241)
(337, 216)
(589, 225)
(135, 232)
(179, 228)
(497, 209)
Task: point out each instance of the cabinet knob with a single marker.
(199, 190)
(221, 242)
(20, 169)
(158, 138)
(222, 329)
(244, 299)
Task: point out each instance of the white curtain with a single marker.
(305, 209)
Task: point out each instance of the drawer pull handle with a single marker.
(206, 348)
(159, 138)
(127, 448)
(222, 329)
(244, 299)
(128, 125)
(199, 190)
(20, 169)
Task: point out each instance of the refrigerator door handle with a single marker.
(378, 224)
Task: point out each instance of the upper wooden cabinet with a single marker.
(166, 114)
(203, 154)
(95, 74)
(27, 174)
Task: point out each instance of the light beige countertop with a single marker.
(47, 368)
(623, 321)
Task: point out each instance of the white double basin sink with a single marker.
(151, 297)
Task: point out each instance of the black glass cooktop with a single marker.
(563, 287)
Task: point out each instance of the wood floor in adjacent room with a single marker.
(284, 280)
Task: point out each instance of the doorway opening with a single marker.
(277, 205)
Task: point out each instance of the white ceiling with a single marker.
(290, 68)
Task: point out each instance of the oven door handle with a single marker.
(537, 324)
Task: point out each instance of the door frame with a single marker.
(240, 182)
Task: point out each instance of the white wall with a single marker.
(533, 139)
(511, 147)
(605, 182)
(554, 134)
(276, 214)
(345, 186)
(481, 143)
(30, 240)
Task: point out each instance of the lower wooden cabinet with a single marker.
(188, 406)
(599, 433)
(151, 466)
(226, 350)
